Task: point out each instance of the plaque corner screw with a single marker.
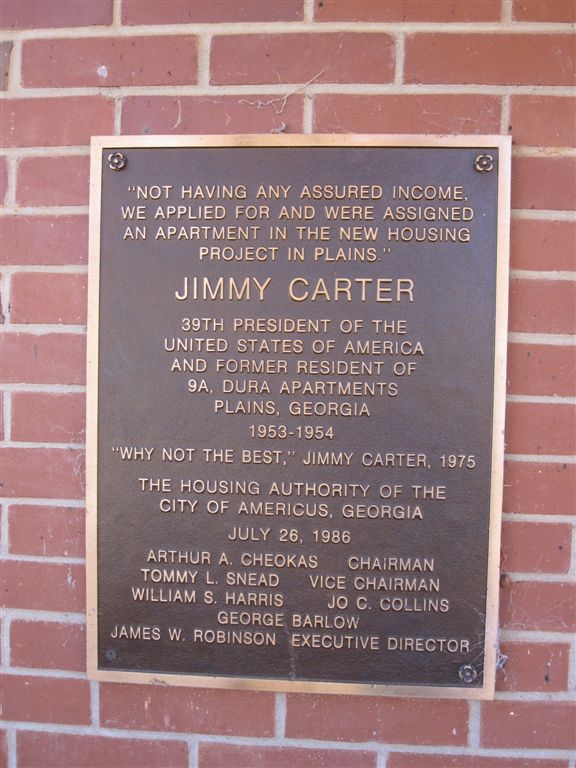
(467, 673)
(484, 163)
(111, 654)
(117, 161)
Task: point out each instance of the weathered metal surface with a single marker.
(310, 499)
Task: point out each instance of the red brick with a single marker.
(48, 298)
(543, 121)
(37, 750)
(507, 59)
(207, 11)
(536, 369)
(41, 297)
(539, 489)
(5, 52)
(536, 547)
(534, 667)
(36, 181)
(337, 57)
(53, 122)
(3, 178)
(544, 10)
(542, 306)
(4, 306)
(51, 358)
(45, 530)
(542, 245)
(538, 605)
(43, 586)
(408, 11)
(3, 750)
(211, 114)
(408, 760)
(227, 713)
(44, 240)
(55, 473)
(226, 755)
(48, 645)
(347, 718)
(109, 61)
(339, 113)
(46, 700)
(537, 428)
(34, 14)
(546, 183)
(42, 417)
(528, 725)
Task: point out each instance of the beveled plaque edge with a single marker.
(484, 141)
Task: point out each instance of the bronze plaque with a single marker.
(296, 396)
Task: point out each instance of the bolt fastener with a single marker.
(484, 163)
(467, 673)
(111, 654)
(117, 161)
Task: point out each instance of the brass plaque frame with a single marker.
(119, 143)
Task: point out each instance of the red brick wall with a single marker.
(71, 68)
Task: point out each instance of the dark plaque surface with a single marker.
(294, 398)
